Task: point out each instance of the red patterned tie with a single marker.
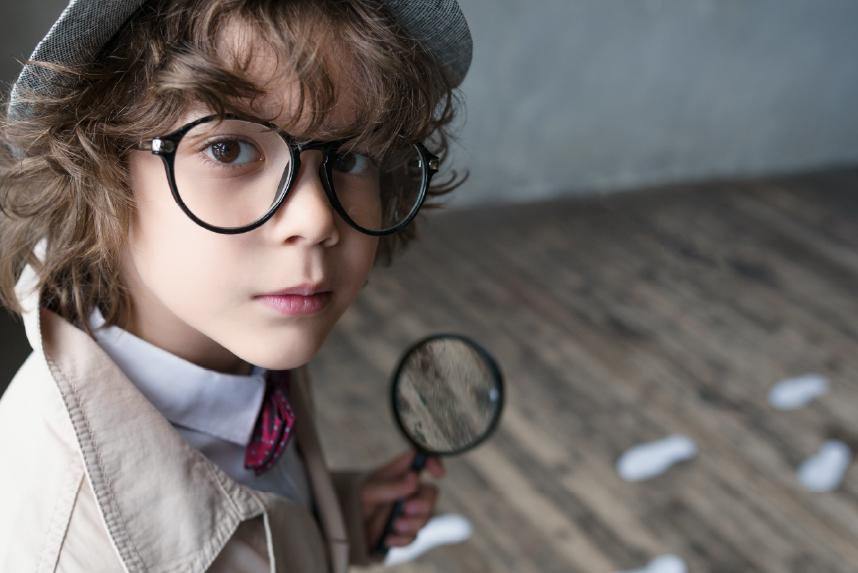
(273, 426)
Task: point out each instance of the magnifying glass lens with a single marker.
(447, 396)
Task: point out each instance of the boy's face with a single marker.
(196, 293)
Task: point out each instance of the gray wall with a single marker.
(570, 96)
(575, 96)
(23, 25)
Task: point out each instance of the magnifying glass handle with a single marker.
(417, 466)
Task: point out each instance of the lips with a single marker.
(300, 300)
(302, 290)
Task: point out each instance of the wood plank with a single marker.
(619, 320)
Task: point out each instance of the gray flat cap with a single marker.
(85, 26)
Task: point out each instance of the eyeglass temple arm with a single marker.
(157, 146)
(433, 162)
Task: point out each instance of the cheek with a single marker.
(363, 251)
(172, 254)
(353, 264)
(155, 225)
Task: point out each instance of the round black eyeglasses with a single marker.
(230, 174)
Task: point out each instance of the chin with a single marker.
(278, 352)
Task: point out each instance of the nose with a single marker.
(306, 216)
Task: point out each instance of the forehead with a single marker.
(267, 64)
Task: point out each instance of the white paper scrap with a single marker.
(651, 459)
(440, 530)
(824, 470)
(663, 564)
(794, 393)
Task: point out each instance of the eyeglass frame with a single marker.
(166, 146)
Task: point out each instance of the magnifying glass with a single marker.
(447, 397)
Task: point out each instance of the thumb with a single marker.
(389, 490)
(396, 467)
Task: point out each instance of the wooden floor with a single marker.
(618, 321)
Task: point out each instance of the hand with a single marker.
(390, 482)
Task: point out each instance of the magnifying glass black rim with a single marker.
(494, 370)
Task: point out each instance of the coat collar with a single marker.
(217, 404)
(127, 446)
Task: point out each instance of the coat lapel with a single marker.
(162, 502)
(323, 489)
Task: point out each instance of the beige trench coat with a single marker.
(94, 479)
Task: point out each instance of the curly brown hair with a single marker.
(63, 163)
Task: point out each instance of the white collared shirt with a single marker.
(214, 412)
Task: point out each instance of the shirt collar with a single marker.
(221, 405)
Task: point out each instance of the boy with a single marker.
(193, 193)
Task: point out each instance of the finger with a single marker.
(396, 466)
(410, 525)
(377, 521)
(423, 502)
(399, 540)
(435, 466)
(401, 525)
(385, 491)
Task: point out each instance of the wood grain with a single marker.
(619, 320)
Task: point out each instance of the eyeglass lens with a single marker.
(229, 173)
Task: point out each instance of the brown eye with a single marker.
(225, 151)
(232, 151)
(352, 163)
